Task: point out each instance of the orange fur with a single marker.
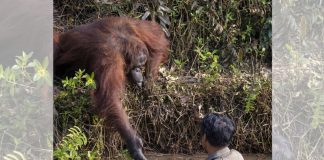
(108, 47)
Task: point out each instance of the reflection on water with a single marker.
(155, 156)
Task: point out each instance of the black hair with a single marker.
(219, 129)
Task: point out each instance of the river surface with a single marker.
(157, 156)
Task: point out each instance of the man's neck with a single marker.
(218, 152)
(211, 149)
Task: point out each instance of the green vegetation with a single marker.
(72, 104)
(24, 87)
(79, 134)
(219, 62)
(70, 145)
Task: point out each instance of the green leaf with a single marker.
(23, 54)
(177, 62)
(15, 67)
(92, 75)
(29, 55)
(10, 157)
(36, 77)
(12, 76)
(20, 155)
(30, 64)
(18, 62)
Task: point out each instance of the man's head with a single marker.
(217, 130)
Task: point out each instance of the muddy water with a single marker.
(155, 156)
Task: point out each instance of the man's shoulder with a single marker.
(235, 155)
(226, 154)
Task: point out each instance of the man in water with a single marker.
(217, 132)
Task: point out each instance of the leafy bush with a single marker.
(80, 134)
(71, 144)
(24, 96)
(73, 104)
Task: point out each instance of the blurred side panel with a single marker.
(26, 98)
(298, 79)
